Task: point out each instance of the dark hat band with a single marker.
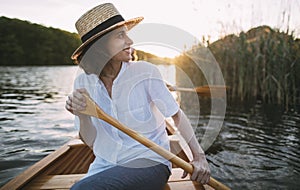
(104, 25)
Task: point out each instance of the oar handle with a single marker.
(93, 109)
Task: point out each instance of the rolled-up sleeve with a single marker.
(160, 94)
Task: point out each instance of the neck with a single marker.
(111, 70)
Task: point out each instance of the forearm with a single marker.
(186, 130)
(196, 149)
(201, 171)
(87, 130)
(75, 104)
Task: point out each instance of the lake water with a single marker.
(257, 148)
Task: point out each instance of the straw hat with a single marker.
(98, 21)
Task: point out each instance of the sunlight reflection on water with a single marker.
(33, 121)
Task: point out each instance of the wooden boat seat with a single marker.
(66, 181)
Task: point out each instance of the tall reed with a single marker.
(259, 64)
(263, 63)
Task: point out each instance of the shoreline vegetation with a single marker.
(23, 43)
(260, 64)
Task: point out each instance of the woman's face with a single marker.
(118, 45)
(114, 46)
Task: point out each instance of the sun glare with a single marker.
(159, 50)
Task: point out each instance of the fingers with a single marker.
(206, 178)
(76, 102)
(83, 90)
(203, 178)
(201, 173)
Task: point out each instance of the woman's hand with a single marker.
(201, 171)
(76, 101)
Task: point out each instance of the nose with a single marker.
(128, 40)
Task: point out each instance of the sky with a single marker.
(212, 19)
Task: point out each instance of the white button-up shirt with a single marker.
(141, 101)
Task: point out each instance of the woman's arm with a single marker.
(74, 104)
(87, 131)
(201, 169)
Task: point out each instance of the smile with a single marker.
(127, 50)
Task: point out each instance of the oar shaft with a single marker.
(94, 110)
(185, 89)
(214, 91)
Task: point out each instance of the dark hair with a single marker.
(94, 56)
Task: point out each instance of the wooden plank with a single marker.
(56, 181)
(176, 148)
(175, 181)
(66, 181)
(71, 161)
(83, 160)
(176, 175)
(67, 163)
(171, 130)
(76, 143)
(186, 185)
(22, 179)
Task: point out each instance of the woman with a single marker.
(135, 94)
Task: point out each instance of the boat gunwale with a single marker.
(37, 168)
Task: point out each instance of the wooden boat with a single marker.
(67, 165)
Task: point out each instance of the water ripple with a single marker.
(256, 150)
(33, 121)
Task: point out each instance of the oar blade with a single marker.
(214, 91)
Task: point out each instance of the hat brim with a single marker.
(128, 23)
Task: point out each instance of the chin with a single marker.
(123, 57)
(127, 59)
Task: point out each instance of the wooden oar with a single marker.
(214, 91)
(93, 109)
